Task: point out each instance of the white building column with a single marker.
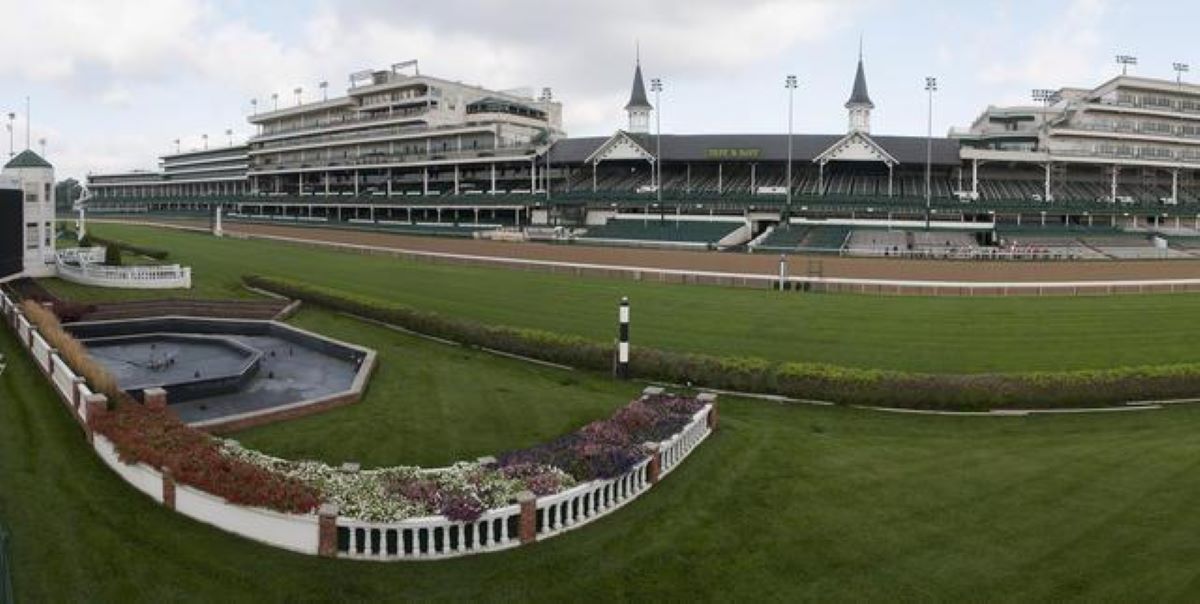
(389, 182)
(1175, 185)
(720, 178)
(456, 179)
(425, 180)
(1046, 192)
(493, 178)
(1115, 170)
(752, 175)
(356, 183)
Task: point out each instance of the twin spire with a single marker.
(859, 105)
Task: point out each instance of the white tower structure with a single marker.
(35, 177)
(859, 106)
(639, 106)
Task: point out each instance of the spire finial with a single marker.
(860, 38)
(637, 51)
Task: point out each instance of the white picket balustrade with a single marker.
(429, 538)
(83, 265)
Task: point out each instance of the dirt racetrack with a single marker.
(762, 264)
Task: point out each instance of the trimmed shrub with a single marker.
(149, 252)
(112, 256)
(817, 381)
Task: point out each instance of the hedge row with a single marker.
(149, 252)
(845, 385)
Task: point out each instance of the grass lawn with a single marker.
(422, 409)
(784, 502)
(922, 334)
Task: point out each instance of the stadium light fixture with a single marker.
(42, 144)
(177, 147)
(11, 116)
(298, 91)
(254, 106)
(931, 87)
(656, 87)
(1180, 69)
(275, 101)
(1125, 61)
(229, 133)
(790, 82)
(205, 138)
(546, 97)
(324, 86)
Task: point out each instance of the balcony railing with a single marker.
(396, 158)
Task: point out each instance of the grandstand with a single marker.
(1123, 155)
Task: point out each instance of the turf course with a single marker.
(785, 502)
(910, 333)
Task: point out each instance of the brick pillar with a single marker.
(654, 469)
(327, 545)
(97, 405)
(154, 398)
(711, 399)
(168, 488)
(528, 526)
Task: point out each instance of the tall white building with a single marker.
(35, 178)
(1130, 139)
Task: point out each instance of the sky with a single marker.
(113, 83)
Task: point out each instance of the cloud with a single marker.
(1067, 49)
(203, 60)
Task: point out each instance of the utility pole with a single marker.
(790, 83)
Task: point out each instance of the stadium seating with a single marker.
(655, 229)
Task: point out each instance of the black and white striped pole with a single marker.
(783, 272)
(623, 340)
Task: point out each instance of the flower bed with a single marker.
(463, 492)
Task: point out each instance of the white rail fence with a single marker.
(328, 534)
(83, 266)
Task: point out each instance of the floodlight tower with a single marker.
(930, 88)
(1180, 69)
(229, 134)
(275, 101)
(11, 116)
(790, 82)
(298, 91)
(253, 106)
(656, 87)
(324, 86)
(546, 97)
(205, 137)
(1125, 61)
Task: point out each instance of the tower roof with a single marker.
(859, 96)
(27, 159)
(637, 98)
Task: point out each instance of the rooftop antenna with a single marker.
(637, 50)
(28, 123)
(860, 38)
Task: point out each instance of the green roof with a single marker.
(27, 159)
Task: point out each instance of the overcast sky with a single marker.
(113, 82)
